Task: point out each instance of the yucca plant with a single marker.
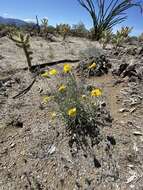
(106, 14)
(23, 41)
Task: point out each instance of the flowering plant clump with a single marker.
(76, 106)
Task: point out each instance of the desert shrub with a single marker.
(51, 29)
(79, 30)
(140, 38)
(63, 30)
(75, 104)
(23, 41)
(95, 66)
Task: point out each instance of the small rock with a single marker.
(52, 149)
(123, 110)
(12, 145)
(137, 133)
(112, 140)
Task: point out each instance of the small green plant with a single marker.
(106, 38)
(23, 41)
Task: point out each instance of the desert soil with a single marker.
(34, 150)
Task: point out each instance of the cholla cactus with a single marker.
(64, 30)
(22, 41)
(118, 39)
(121, 36)
(106, 38)
(125, 31)
(45, 26)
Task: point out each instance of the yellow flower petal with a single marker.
(53, 114)
(53, 72)
(96, 92)
(46, 99)
(67, 68)
(72, 112)
(92, 66)
(62, 88)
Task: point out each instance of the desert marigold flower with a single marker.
(45, 74)
(96, 92)
(53, 72)
(62, 88)
(92, 66)
(72, 112)
(67, 68)
(46, 99)
(53, 114)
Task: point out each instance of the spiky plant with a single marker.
(106, 14)
(125, 31)
(64, 30)
(118, 39)
(106, 38)
(44, 22)
(23, 41)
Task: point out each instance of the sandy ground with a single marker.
(35, 155)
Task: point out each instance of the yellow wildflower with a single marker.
(72, 112)
(46, 99)
(45, 74)
(92, 66)
(53, 114)
(53, 72)
(67, 68)
(62, 88)
(96, 92)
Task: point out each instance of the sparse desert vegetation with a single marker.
(71, 103)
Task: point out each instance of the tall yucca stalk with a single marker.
(107, 13)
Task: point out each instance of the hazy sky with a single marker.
(60, 11)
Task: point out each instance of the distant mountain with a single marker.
(16, 22)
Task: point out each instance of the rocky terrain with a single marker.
(34, 149)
